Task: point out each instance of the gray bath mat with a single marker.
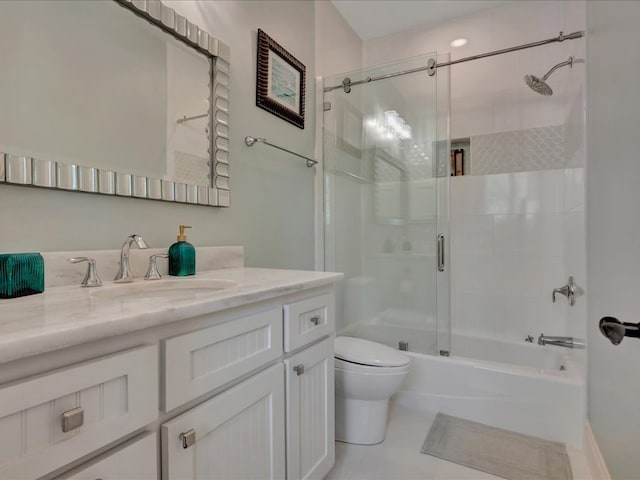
(496, 451)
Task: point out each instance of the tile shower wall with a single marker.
(508, 251)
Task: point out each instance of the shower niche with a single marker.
(460, 157)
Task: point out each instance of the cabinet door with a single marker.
(134, 460)
(238, 434)
(310, 412)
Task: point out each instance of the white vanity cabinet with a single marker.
(240, 433)
(243, 392)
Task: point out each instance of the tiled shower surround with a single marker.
(508, 251)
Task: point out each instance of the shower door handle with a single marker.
(441, 253)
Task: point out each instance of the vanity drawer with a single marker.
(308, 320)
(55, 418)
(200, 361)
(135, 460)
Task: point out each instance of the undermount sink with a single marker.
(164, 288)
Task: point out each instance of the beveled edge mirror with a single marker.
(37, 172)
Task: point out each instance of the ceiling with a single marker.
(377, 18)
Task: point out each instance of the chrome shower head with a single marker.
(540, 85)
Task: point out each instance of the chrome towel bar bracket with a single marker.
(251, 141)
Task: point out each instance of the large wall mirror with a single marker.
(118, 97)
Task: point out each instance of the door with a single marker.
(386, 162)
(613, 230)
(238, 434)
(310, 412)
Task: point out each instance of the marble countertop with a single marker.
(71, 315)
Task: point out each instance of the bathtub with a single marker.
(519, 386)
(510, 384)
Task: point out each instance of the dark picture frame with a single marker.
(280, 81)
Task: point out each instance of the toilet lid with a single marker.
(364, 352)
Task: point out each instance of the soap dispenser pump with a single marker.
(182, 256)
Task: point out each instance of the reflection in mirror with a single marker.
(390, 195)
(97, 99)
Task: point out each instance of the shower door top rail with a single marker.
(432, 65)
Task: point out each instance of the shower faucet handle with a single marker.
(571, 290)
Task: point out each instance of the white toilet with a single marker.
(367, 374)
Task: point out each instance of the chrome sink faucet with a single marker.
(124, 275)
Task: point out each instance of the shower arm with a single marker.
(570, 62)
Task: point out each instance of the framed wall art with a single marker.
(280, 82)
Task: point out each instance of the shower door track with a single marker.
(432, 66)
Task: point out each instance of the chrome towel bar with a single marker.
(250, 141)
(187, 119)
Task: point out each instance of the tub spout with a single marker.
(567, 342)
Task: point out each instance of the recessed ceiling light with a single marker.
(459, 42)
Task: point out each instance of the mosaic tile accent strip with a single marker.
(518, 151)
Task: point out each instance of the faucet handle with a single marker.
(152, 272)
(570, 290)
(91, 279)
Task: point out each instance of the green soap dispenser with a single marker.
(182, 256)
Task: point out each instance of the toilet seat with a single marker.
(365, 356)
(369, 369)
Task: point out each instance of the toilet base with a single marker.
(361, 421)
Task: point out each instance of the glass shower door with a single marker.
(386, 161)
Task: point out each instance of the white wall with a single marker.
(271, 210)
(338, 48)
(613, 231)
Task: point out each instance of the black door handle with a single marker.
(615, 330)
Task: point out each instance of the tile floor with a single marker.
(399, 457)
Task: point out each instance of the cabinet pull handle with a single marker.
(315, 319)
(72, 419)
(188, 438)
(299, 369)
